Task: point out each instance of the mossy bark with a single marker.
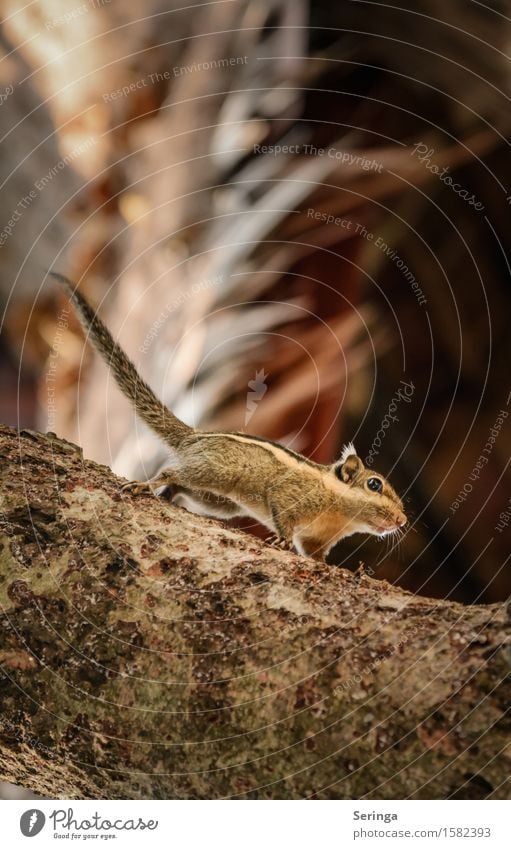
(150, 653)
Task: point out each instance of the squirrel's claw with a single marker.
(137, 487)
(279, 542)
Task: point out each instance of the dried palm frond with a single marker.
(218, 261)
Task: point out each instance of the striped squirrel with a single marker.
(305, 504)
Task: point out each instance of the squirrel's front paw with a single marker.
(279, 542)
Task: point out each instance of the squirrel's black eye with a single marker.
(375, 485)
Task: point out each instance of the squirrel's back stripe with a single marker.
(274, 447)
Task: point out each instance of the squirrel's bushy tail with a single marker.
(147, 405)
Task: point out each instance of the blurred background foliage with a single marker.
(137, 157)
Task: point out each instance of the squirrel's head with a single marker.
(377, 506)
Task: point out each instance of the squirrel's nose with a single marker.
(402, 520)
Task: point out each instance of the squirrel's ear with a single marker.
(349, 464)
(348, 470)
(346, 452)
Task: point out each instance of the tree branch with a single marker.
(150, 653)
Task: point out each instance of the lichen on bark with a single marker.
(150, 653)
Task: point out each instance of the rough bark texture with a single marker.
(150, 653)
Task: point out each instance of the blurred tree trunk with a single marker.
(150, 653)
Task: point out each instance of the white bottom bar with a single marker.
(257, 825)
